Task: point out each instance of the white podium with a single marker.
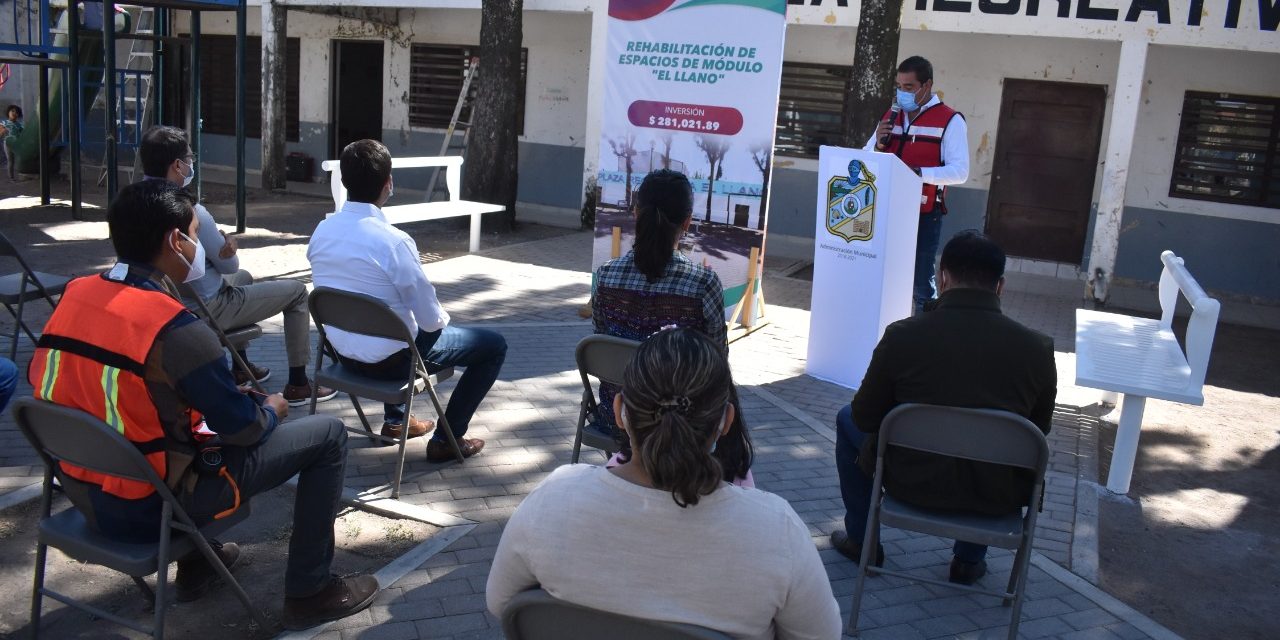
(864, 258)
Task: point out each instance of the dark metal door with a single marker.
(357, 92)
(1043, 173)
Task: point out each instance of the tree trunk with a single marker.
(274, 28)
(711, 188)
(491, 171)
(875, 54)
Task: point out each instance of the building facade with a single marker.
(1101, 132)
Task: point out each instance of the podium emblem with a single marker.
(851, 203)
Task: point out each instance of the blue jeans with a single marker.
(8, 380)
(480, 351)
(855, 487)
(928, 235)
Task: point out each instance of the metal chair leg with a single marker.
(37, 591)
(360, 412)
(162, 572)
(315, 375)
(404, 441)
(207, 551)
(869, 541)
(577, 438)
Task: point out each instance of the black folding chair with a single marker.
(18, 288)
(62, 434)
(536, 615)
(980, 435)
(603, 357)
(366, 315)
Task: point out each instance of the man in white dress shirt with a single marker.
(357, 250)
(932, 139)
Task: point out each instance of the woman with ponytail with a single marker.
(679, 543)
(654, 286)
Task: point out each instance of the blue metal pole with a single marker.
(73, 89)
(196, 124)
(241, 36)
(109, 85)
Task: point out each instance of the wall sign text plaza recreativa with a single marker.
(1268, 10)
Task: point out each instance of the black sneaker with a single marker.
(196, 576)
(853, 550)
(341, 598)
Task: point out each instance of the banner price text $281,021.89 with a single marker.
(684, 124)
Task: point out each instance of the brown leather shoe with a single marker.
(417, 429)
(300, 394)
(841, 542)
(343, 597)
(259, 373)
(442, 452)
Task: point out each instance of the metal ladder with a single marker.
(134, 93)
(473, 65)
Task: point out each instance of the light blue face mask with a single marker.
(907, 101)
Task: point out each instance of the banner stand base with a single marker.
(739, 332)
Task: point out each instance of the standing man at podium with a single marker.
(932, 139)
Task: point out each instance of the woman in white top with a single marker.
(663, 537)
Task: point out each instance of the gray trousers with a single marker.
(244, 302)
(314, 447)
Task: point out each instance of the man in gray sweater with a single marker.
(234, 300)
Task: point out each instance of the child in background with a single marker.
(12, 125)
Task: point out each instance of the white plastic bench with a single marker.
(1141, 359)
(454, 207)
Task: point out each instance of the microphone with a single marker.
(894, 110)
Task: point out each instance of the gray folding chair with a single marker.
(535, 615)
(604, 357)
(63, 434)
(366, 315)
(980, 435)
(235, 340)
(18, 288)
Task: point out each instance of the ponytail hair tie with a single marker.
(677, 404)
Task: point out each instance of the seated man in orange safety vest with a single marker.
(121, 347)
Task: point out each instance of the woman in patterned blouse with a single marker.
(654, 286)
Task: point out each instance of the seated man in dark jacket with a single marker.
(962, 353)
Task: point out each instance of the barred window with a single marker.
(810, 108)
(218, 86)
(435, 79)
(1228, 150)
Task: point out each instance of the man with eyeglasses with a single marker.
(234, 300)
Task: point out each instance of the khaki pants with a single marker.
(244, 302)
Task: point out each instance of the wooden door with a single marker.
(1045, 162)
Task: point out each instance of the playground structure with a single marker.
(73, 44)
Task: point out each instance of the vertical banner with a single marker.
(864, 257)
(692, 85)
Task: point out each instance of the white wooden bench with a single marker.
(454, 207)
(1141, 359)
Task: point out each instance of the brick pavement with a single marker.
(531, 292)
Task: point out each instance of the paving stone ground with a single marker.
(531, 292)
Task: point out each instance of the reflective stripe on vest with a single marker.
(921, 146)
(91, 357)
